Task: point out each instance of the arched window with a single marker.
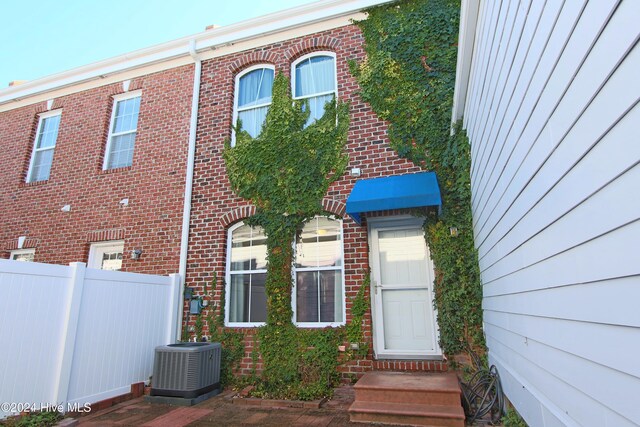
(314, 79)
(318, 270)
(319, 286)
(246, 276)
(253, 97)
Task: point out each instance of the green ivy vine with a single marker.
(285, 172)
(408, 79)
(232, 341)
(353, 330)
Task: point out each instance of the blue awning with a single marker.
(394, 192)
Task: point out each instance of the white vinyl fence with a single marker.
(76, 335)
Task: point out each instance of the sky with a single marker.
(43, 37)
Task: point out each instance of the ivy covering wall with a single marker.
(285, 172)
(408, 79)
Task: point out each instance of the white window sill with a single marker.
(244, 324)
(318, 324)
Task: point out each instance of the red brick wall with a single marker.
(154, 184)
(215, 206)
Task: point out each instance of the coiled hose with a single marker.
(482, 397)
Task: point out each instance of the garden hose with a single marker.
(482, 397)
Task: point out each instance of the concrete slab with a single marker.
(180, 401)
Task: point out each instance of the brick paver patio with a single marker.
(220, 411)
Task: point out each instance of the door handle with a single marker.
(375, 287)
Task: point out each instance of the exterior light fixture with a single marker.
(135, 254)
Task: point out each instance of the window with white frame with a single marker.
(253, 97)
(314, 79)
(246, 276)
(319, 291)
(106, 255)
(44, 146)
(318, 296)
(25, 255)
(122, 131)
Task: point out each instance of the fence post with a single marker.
(175, 312)
(69, 330)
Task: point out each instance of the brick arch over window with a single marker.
(29, 243)
(237, 214)
(117, 88)
(104, 235)
(42, 108)
(311, 45)
(254, 58)
(333, 206)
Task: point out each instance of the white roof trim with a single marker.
(179, 48)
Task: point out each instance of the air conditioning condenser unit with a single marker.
(186, 370)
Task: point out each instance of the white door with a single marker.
(106, 255)
(402, 290)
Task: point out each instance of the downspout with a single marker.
(188, 186)
(466, 40)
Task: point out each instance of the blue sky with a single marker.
(44, 37)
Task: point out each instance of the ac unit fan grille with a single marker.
(186, 370)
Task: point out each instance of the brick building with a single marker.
(68, 187)
(125, 189)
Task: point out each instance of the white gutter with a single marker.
(466, 40)
(256, 28)
(188, 185)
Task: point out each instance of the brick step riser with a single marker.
(405, 419)
(401, 396)
(356, 370)
(410, 366)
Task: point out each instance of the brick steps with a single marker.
(406, 413)
(408, 399)
(357, 368)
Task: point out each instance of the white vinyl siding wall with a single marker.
(552, 114)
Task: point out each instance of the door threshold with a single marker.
(404, 357)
